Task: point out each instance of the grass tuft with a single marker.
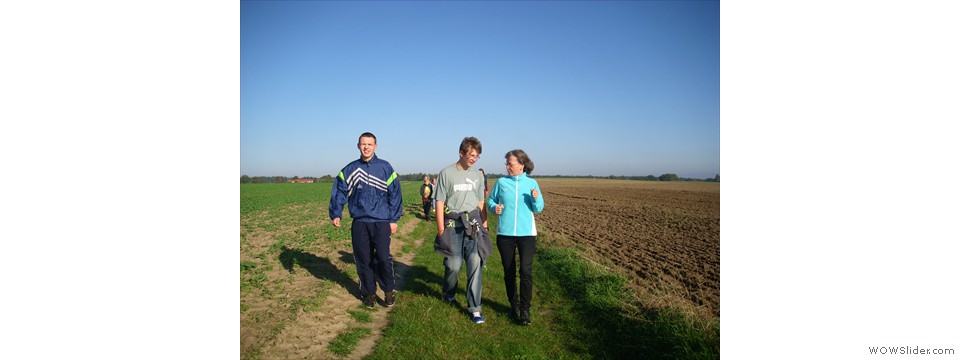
(361, 316)
(344, 344)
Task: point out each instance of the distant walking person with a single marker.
(486, 188)
(516, 198)
(434, 198)
(460, 236)
(426, 195)
(486, 192)
(372, 193)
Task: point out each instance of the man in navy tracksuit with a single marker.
(370, 188)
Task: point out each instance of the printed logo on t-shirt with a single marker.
(465, 187)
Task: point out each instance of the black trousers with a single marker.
(371, 253)
(426, 209)
(508, 246)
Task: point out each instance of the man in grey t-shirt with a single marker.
(460, 189)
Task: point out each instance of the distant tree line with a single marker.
(244, 179)
(416, 177)
(664, 177)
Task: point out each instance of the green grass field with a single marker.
(578, 310)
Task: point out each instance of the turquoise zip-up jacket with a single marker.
(519, 206)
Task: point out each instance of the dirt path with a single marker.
(309, 335)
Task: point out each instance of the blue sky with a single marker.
(585, 88)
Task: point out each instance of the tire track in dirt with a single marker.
(309, 335)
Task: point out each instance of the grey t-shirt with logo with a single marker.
(461, 190)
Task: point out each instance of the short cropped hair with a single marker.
(367, 134)
(471, 143)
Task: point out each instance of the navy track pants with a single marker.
(371, 253)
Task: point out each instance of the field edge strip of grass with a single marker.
(612, 324)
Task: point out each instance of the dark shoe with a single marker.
(525, 317)
(370, 301)
(514, 310)
(390, 298)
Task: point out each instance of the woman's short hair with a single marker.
(521, 158)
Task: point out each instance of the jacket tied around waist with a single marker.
(473, 227)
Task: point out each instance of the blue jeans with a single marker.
(464, 248)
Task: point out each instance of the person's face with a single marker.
(367, 147)
(426, 180)
(514, 167)
(469, 158)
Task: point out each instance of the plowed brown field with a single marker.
(665, 236)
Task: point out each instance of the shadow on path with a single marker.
(319, 267)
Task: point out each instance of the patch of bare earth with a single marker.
(664, 236)
(325, 278)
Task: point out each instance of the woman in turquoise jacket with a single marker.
(516, 198)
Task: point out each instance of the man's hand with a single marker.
(393, 228)
(336, 222)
